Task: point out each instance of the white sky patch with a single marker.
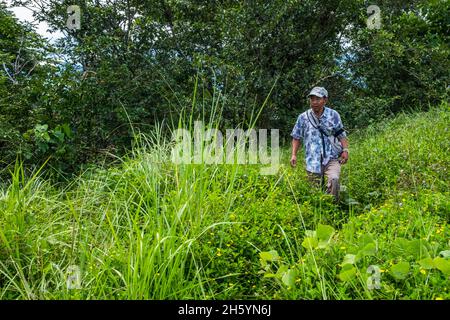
(26, 15)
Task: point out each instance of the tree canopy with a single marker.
(138, 61)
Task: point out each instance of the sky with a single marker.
(24, 14)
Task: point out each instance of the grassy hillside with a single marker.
(149, 229)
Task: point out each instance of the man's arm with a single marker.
(344, 154)
(295, 147)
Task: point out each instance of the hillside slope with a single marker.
(149, 229)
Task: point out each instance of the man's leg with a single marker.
(314, 178)
(333, 171)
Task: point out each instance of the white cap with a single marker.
(319, 92)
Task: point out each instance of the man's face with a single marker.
(317, 103)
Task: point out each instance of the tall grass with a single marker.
(151, 229)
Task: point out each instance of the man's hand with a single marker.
(295, 147)
(293, 161)
(344, 157)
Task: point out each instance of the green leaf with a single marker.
(324, 232)
(347, 273)
(269, 255)
(270, 275)
(426, 263)
(289, 277)
(67, 130)
(445, 254)
(351, 201)
(349, 259)
(364, 240)
(369, 250)
(418, 248)
(42, 146)
(45, 136)
(41, 128)
(443, 265)
(59, 135)
(400, 270)
(310, 243)
(310, 233)
(282, 270)
(401, 246)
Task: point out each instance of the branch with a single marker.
(31, 70)
(14, 81)
(321, 79)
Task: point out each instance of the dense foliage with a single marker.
(137, 62)
(101, 102)
(150, 229)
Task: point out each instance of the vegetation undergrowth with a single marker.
(152, 229)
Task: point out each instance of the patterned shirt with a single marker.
(306, 129)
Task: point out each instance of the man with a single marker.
(319, 129)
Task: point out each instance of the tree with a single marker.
(404, 65)
(138, 61)
(22, 73)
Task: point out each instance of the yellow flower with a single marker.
(342, 248)
(439, 298)
(382, 270)
(423, 271)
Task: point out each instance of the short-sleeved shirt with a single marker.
(307, 130)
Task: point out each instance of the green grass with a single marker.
(150, 229)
